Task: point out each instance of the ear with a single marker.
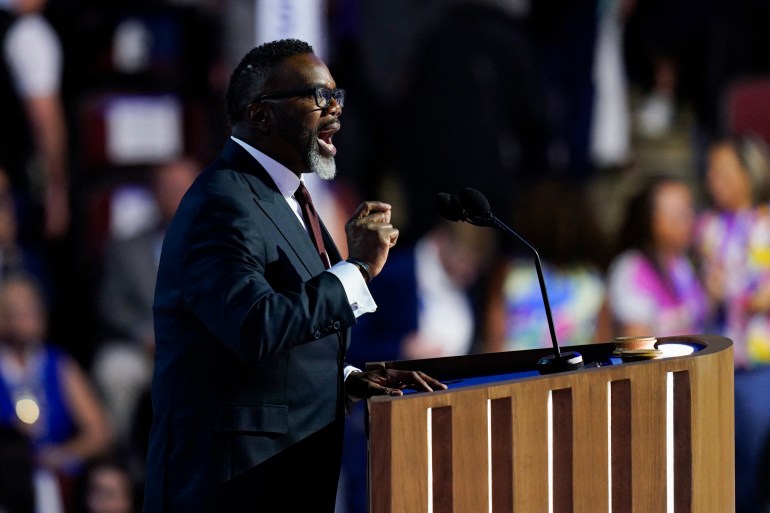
(258, 115)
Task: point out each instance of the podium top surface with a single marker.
(478, 369)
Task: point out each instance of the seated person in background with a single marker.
(426, 290)
(733, 243)
(557, 221)
(43, 392)
(107, 487)
(122, 366)
(653, 287)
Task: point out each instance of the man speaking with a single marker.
(253, 307)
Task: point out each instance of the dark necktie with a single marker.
(311, 220)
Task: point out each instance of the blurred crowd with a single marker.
(110, 109)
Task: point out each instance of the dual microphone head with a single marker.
(471, 206)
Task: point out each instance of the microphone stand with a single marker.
(472, 207)
(559, 361)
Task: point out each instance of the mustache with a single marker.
(330, 124)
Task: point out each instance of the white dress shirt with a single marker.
(359, 297)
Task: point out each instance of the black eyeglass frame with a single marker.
(319, 94)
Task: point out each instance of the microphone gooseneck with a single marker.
(473, 207)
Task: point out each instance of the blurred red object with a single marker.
(747, 107)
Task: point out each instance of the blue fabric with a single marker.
(752, 427)
(57, 423)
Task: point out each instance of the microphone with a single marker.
(473, 207)
(449, 207)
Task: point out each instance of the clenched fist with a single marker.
(370, 235)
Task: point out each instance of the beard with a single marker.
(322, 165)
(305, 141)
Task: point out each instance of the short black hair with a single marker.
(255, 68)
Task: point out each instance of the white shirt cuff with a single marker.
(359, 297)
(348, 369)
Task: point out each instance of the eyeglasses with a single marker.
(323, 96)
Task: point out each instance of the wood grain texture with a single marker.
(627, 463)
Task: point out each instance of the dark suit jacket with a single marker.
(250, 333)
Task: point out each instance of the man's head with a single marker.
(283, 101)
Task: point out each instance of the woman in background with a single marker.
(733, 243)
(45, 395)
(653, 287)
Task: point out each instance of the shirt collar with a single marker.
(285, 179)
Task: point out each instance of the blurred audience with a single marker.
(733, 242)
(43, 392)
(427, 287)
(16, 256)
(33, 127)
(654, 289)
(556, 219)
(487, 91)
(107, 486)
(654, 46)
(565, 37)
(685, 55)
(610, 131)
(122, 366)
(473, 112)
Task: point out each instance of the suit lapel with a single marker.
(272, 203)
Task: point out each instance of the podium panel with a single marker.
(640, 437)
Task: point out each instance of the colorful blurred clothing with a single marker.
(738, 243)
(576, 295)
(670, 301)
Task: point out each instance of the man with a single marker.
(251, 331)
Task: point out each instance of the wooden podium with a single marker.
(642, 437)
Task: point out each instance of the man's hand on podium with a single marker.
(361, 385)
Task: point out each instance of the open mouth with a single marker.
(325, 139)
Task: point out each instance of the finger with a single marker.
(427, 383)
(367, 207)
(377, 227)
(393, 237)
(375, 216)
(389, 236)
(368, 223)
(389, 391)
(434, 383)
